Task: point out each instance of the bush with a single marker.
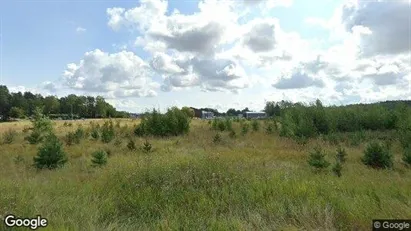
(173, 123)
(42, 127)
(255, 125)
(270, 128)
(75, 137)
(217, 138)
(244, 128)
(80, 133)
(71, 139)
(107, 132)
(407, 156)
(377, 156)
(51, 154)
(232, 134)
(35, 137)
(99, 159)
(117, 142)
(18, 159)
(337, 167)
(341, 154)
(95, 134)
(228, 124)
(317, 159)
(221, 125)
(147, 147)
(131, 145)
(214, 124)
(9, 136)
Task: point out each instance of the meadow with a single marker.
(255, 180)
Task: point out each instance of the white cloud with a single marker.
(220, 49)
(386, 23)
(121, 74)
(80, 29)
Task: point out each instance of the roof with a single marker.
(252, 112)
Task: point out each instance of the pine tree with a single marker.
(317, 159)
(51, 154)
(99, 159)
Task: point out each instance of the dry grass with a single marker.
(252, 182)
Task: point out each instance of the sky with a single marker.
(208, 53)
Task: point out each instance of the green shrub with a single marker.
(228, 124)
(147, 147)
(405, 137)
(18, 159)
(42, 127)
(107, 132)
(80, 133)
(270, 128)
(117, 142)
(139, 130)
(221, 125)
(214, 124)
(317, 159)
(255, 125)
(71, 139)
(337, 167)
(35, 137)
(341, 154)
(217, 138)
(173, 123)
(407, 156)
(9, 136)
(95, 134)
(244, 128)
(232, 134)
(99, 159)
(51, 154)
(131, 145)
(377, 156)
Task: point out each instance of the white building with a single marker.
(254, 115)
(207, 115)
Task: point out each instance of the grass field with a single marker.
(254, 182)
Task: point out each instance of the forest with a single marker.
(22, 105)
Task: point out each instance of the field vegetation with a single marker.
(308, 167)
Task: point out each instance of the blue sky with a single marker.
(41, 38)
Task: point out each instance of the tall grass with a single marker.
(258, 181)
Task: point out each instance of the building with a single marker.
(254, 115)
(197, 113)
(135, 115)
(207, 115)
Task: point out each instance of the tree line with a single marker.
(23, 105)
(309, 120)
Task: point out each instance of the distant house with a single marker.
(135, 115)
(254, 115)
(197, 112)
(207, 115)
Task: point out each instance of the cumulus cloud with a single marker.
(261, 37)
(298, 80)
(120, 74)
(201, 40)
(386, 25)
(209, 74)
(221, 49)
